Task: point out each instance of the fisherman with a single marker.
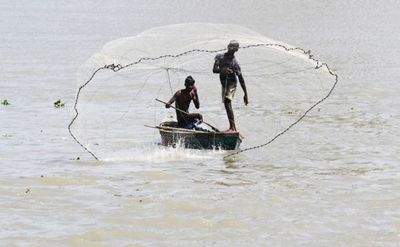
(229, 71)
(182, 99)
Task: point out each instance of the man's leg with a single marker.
(229, 113)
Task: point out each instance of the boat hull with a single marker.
(171, 136)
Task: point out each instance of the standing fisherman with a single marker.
(229, 71)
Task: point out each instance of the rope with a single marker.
(169, 81)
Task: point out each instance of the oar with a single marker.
(212, 127)
(153, 127)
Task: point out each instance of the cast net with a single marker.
(118, 86)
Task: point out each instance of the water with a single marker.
(333, 180)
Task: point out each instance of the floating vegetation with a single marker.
(58, 104)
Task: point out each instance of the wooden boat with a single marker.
(171, 135)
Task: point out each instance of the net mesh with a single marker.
(118, 86)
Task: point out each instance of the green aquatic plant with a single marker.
(58, 104)
(5, 102)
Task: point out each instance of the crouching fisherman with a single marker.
(182, 99)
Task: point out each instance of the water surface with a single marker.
(331, 181)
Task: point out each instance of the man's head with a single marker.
(233, 46)
(189, 82)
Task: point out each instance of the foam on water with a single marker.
(160, 154)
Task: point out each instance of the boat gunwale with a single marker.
(197, 132)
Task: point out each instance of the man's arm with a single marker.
(243, 85)
(172, 100)
(195, 97)
(216, 68)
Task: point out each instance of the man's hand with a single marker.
(168, 105)
(193, 92)
(246, 100)
(226, 71)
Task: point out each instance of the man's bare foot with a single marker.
(230, 131)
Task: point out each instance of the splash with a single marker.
(156, 153)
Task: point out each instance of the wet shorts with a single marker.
(228, 91)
